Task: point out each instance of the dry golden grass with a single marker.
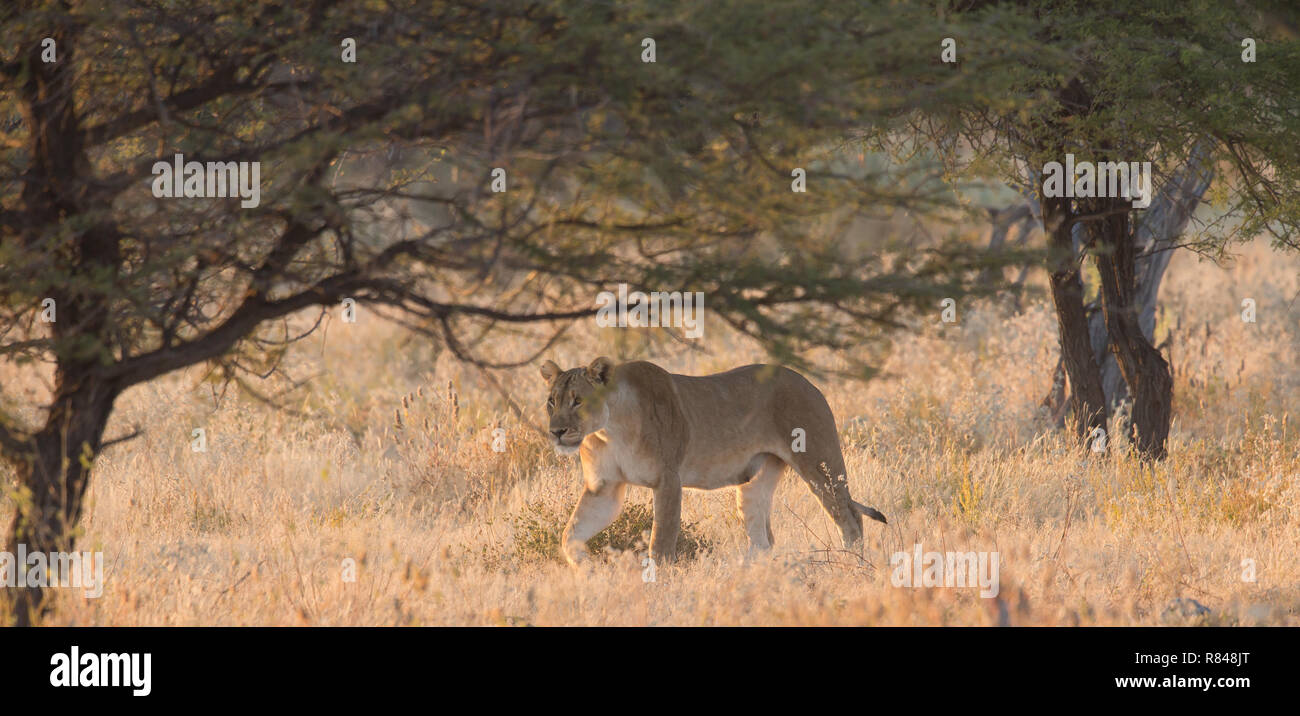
(393, 469)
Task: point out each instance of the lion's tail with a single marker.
(868, 512)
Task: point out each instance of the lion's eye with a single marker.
(576, 401)
(550, 402)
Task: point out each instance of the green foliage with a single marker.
(666, 175)
(1150, 81)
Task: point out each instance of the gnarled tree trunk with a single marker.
(1086, 395)
(1155, 237)
(1157, 231)
(1145, 371)
(53, 464)
(53, 474)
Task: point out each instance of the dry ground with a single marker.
(389, 467)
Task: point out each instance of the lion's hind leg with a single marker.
(754, 501)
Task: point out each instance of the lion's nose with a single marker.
(559, 433)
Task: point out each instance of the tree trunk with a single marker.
(53, 477)
(1156, 233)
(1144, 369)
(53, 464)
(1087, 398)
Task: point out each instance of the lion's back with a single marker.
(739, 403)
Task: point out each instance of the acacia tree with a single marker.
(1186, 87)
(1158, 235)
(645, 144)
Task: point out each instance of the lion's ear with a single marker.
(550, 370)
(600, 370)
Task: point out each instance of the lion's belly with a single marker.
(703, 472)
(728, 457)
(714, 472)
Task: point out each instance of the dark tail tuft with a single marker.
(869, 512)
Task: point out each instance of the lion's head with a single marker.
(576, 402)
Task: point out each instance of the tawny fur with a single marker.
(637, 424)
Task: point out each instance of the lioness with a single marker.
(638, 424)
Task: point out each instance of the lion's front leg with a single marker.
(594, 512)
(601, 499)
(668, 518)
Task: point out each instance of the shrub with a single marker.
(538, 527)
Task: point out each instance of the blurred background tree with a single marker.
(1200, 90)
